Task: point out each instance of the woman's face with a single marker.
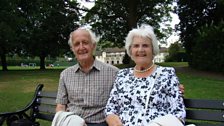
(141, 50)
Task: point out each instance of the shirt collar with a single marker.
(96, 66)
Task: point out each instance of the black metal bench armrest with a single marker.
(22, 114)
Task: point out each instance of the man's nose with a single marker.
(81, 45)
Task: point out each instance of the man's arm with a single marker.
(60, 107)
(181, 86)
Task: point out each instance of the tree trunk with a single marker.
(132, 17)
(42, 62)
(3, 60)
(4, 63)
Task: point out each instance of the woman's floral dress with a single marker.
(129, 94)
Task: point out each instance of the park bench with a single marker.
(42, 107)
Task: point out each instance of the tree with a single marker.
(48, 25)
(208, 53)
(176, 53)
(112, 19)
(194, 15)
(173, 52)
(9, 29)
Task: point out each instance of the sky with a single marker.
(173, 38)
(86, 4)
(175, 20)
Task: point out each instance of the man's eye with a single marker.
(85, 43)
(76, 44)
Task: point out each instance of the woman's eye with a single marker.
(145, 45)
(135, 46)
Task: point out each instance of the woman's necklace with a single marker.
(145, 70)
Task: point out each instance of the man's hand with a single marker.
(181, 86)
(60, 107)
(113, 120)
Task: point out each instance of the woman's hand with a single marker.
(113, 120)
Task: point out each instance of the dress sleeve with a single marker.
(112, 106)
(175, 98)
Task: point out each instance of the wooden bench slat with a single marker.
(206, 124)
(47, 101)
(47, 109)
(205, 115)
(202, 103)
(48, 117)
(48, 94)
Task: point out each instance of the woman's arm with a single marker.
(112, 106)
(175, 97)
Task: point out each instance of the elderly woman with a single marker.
(147, 91)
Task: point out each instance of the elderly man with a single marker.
(85, 87)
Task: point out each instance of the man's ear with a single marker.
(71, 49)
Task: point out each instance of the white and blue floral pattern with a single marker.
(128, 97)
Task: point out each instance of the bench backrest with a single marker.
(205, 112)
(46, 105)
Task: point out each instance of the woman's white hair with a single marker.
(145, 31)
(94, 38)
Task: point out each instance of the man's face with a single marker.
(82, 45)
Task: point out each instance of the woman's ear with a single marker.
(130, 51)
(94, 45)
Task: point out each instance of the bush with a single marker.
(208, 53)
(178, 57)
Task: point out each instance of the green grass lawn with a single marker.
(201, 87)
(17, 86)
(176, 64)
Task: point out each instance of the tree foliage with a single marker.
(49, 23)
(173, 52)
(208, 53)
(40, 28)
(193, 16)
(9, 28)
(176, 53)
(112, 19)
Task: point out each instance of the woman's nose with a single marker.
(140, 48)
